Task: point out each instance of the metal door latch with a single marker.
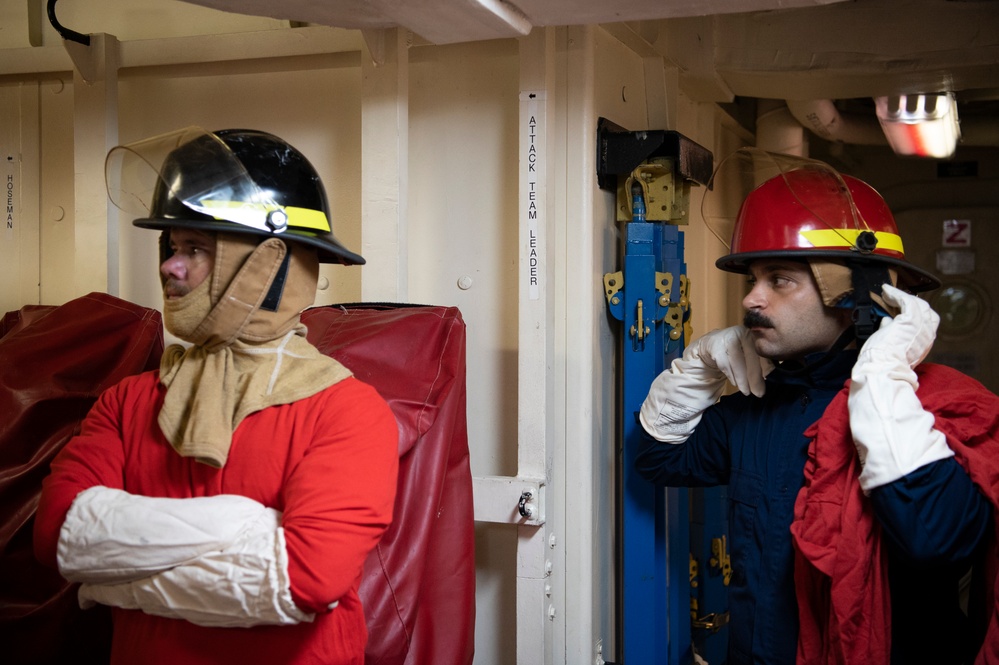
(526, 508)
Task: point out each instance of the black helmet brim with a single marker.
(330, 250)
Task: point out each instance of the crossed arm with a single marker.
(226, 559)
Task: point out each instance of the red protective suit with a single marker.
(328, 463)
(840, 568)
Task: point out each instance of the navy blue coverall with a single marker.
(935, 519)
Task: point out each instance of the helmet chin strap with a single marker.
(273, 298)
(865, 313)
(867, 278)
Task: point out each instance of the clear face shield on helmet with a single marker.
(193, 168)
(760, 201)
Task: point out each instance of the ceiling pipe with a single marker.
(777, 131)
(826, 121)
(823, 118)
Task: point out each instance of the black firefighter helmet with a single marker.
(231, 180)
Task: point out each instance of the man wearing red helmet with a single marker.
(859, 497)
(224, 505)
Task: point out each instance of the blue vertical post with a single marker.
(708, 524)
(676, 530)
(655, 537)
(658, 167)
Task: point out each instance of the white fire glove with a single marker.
(111, 536)
(246, 584)
(214, 561)
(695, 381)
(894, 435)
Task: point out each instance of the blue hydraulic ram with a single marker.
(651, 173)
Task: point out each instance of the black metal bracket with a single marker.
(619, 151)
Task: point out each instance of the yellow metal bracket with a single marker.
(674, 313)
(613, 283)
(720, 558)
(664, 285)
(639, 329)
(674, 309)
(667, 196)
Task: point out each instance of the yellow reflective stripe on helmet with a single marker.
(848, 238)
(299, 218)
(305, 218)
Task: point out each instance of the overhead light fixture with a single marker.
(924, 125)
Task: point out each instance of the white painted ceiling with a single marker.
(767, 49)
(450, 21)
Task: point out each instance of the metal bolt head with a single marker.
(277, 220)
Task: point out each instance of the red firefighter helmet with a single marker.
(808, 210)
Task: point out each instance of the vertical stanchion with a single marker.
(643, 583)
(655, 538)
(651, 172)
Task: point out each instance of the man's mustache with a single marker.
(754, 319)
(172, 289)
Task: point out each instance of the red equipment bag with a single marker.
(418, 586)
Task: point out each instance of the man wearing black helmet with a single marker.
(856, 505)
(225, 504)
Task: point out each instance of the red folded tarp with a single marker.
(54, 362)
(419, 584)
(418, 587)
